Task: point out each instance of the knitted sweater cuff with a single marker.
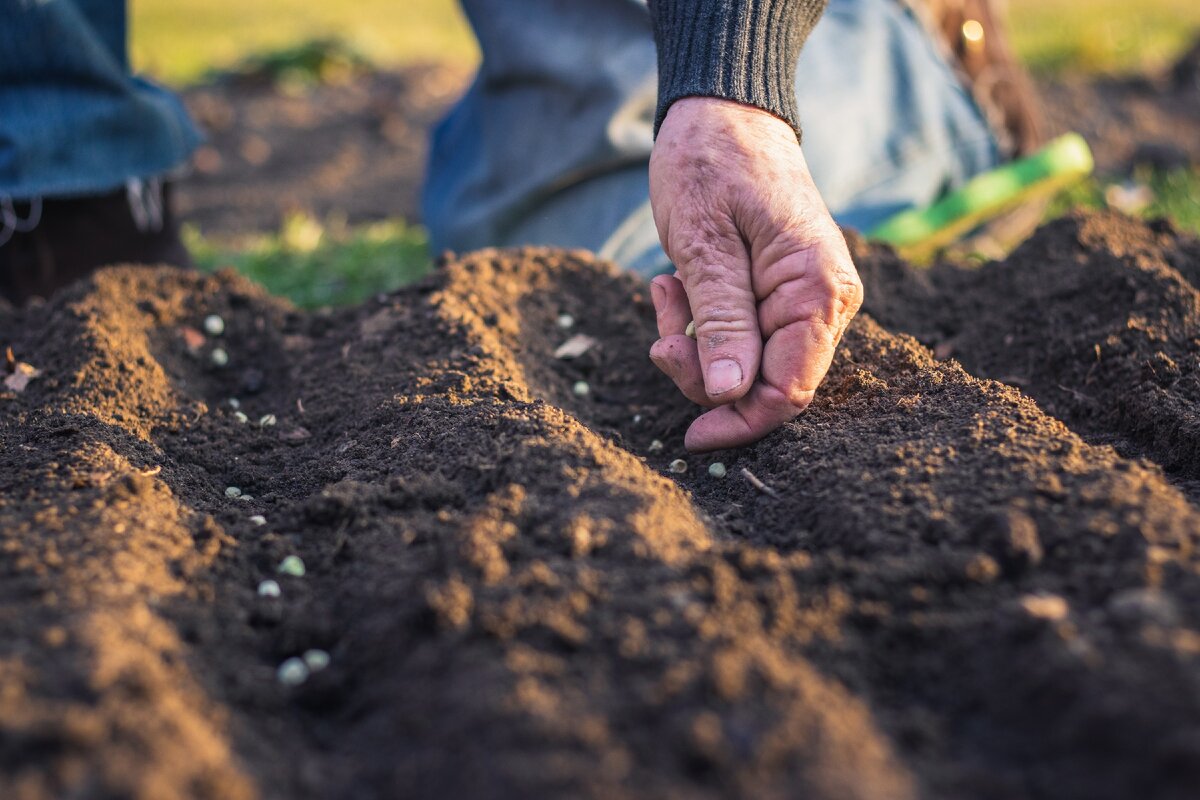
(742, 50)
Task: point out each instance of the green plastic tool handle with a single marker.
(1062, 162)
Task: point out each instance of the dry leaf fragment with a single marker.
(297, 434)
(576, 346)
(21, 376)
(193, 339)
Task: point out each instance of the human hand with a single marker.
(762, 270)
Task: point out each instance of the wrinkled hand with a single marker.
(763, 270)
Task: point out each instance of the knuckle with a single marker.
(705, 259)
(827, 296)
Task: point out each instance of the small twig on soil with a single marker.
(757, 484)
(299, 405)
(10, 361)
(1078, 394)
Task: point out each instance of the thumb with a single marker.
(721, 295)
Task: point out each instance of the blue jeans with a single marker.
(551, 143)
(73, 121)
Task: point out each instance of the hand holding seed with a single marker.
(763, 271)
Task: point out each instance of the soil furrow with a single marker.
(1097, 318)
(946, 593)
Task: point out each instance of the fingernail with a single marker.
(656, 295)
(724, 375)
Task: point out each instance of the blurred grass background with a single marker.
(321, 262)
(180, 40)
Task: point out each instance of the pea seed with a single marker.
(219, 356)
(316, 660)
(258, 519)
(292, 565)
(678, 466)
(566, 321)
(581, 389)
(241, 417)
(292, 672)
(266, 420)
(214, 325)
(232, 492)
(716, 469)
(269, 588)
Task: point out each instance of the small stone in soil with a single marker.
(678, 466)
(232, 492)
(246, 497)
(566, 321)
(214, 325)
(292, 565)
(581, 389)
(219, 356)
(258, 519)
(316, 660)
(716, 469)
(292, 672)
(269, 588)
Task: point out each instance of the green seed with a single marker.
(716, 469)
(316, 660)
(292, 672)
(292, 565)
(690, 330)
(232, 492)
(581, 389)
(219, 356)
(678, 466)
(269, 588)
(214, 325)
(241, 417)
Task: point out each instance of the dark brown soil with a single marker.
(1130, 121)
(946, 592)
(1108, 340)
(354, 148)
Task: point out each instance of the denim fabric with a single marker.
(551, 143)
(73, 121)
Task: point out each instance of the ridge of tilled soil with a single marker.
(1097, 318)
(943, 591)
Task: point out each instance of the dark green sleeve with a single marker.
(743, 50)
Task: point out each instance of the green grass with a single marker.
(322, 264)
(179, 41)
(1174, 194)
(1111, 36)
